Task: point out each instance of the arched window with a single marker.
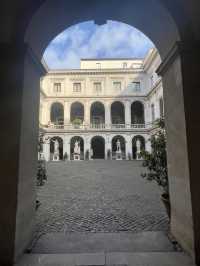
(137, 113)
(117, 113)
(57, 114)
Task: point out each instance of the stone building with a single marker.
(105, 101)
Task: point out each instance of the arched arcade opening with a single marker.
(97, 115)
(54, 146)
(122, 141)
(137, 113)
(77, 113)
(98, 147)
(138, 145)
(57, 114)
(118, 114)
(80, 141)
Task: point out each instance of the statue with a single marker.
(118, 146)
(138, 149)
(77, 149)
(56, 146)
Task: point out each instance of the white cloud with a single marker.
(113, 39)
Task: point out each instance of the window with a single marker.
(117, 85)
(161, 107)
(136, 86)
(57, 87)
(152, 112)
(124, 65)
(97, 87)
(98, 65)
(77, 87)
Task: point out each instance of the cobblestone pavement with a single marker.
(99, 196)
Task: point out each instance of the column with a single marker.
(108, 146)
(87, 113)
(181, 83)
(108, 121)
(66, 146)
(46, 150)
(128, 114)
(128, 140)
(67, 113)
(20, 90)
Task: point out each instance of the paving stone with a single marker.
(99, 196)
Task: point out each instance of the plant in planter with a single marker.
(156, 162)
(77, 122)
(65, 156)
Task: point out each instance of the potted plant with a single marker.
(77, 122)
(156, 163)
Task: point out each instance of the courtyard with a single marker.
(99, 196)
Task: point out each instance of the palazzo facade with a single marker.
(105, 101)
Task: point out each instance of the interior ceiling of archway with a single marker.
(150, 17)
(89, 40)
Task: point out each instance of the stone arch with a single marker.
(118, 113)
(57, 113)
(60, 140)
(77, 112)
(123, 146)
(72, 141)
(97, 114)
(98, 147)
(137, 113)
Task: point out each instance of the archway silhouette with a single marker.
(98, 147)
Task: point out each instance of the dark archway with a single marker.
(81, 141)
(137, 113)
(97, 115)
(59, 139)
(134, 149)
(123, 146)
(117, 113)
(98, 147)
(77, 112)
(57, 114)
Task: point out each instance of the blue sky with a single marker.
(88, 40)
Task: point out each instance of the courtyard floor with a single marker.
(99, 196)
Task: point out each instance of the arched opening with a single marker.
(80, 144)
(98, 147)
(138, 144)
(77, 113)
(97, 115)
(137, 113)
(151, 26)
(56, 146)
(118, 140)
(118, 114)
(57, 114)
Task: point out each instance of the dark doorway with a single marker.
(98, 147)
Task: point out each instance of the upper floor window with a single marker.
(57, 87)
(117, 85)
(136, 86)
(77, 87)
(98, 65)
(124, 65)
(97, 87)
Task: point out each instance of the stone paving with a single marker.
(99, 196)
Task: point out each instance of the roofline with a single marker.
(112, 59)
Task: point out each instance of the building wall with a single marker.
(137, 82)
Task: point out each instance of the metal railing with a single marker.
(97, 126)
